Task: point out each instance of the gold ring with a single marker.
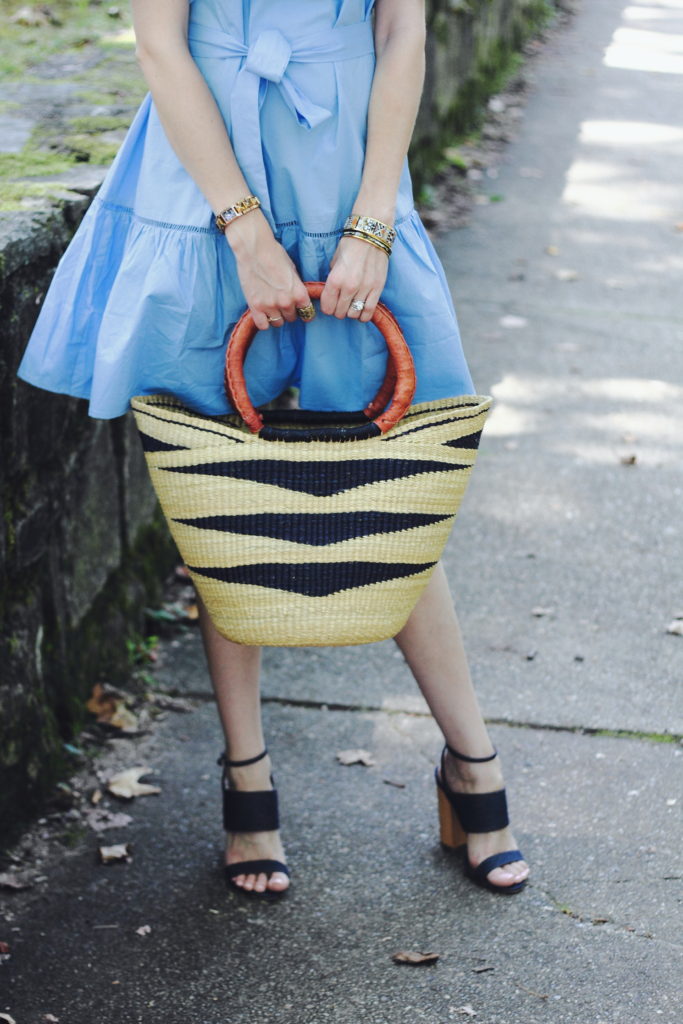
(305, 312)
(274, 319)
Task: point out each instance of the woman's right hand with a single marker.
(269, 279)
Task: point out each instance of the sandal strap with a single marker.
(480, 812)
(245, 811)
(241, 764)
(255, 867)
(496, 860)
(465, 757)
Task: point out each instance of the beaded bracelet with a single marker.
(226, 216)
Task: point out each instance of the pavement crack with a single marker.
(511, 723)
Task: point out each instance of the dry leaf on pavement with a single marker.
(483, 969)
(415, 958)
(364, 757)
(99, 819)
(126, 784)
(16, 879)
(112, 854)
(628, 460)
(110, 708)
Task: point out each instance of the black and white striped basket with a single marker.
(312, 528)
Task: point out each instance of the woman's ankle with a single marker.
(253, 777)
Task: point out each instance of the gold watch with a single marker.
(226, 216)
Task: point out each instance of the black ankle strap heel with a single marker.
(250, 811)
(463, 813)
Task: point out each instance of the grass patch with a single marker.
(74, 25)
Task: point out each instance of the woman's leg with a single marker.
(234, 670)
(432, 645)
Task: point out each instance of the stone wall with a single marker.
(470, 46)
(81, 547)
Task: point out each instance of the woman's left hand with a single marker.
(358, 272)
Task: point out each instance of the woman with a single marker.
(308, 110)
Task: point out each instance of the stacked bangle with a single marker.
(375, 232)
(226, 216)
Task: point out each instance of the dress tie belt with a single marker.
(265, 60)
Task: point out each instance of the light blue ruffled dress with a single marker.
(145, 297)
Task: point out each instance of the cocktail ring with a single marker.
(358, 305)
(305, 312)
(274, 319)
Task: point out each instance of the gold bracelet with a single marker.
(228, 215)
(371, 226)
(370, 239)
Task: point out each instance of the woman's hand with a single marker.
(358, 272)
(269, 279)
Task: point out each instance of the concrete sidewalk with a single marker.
(566, 566)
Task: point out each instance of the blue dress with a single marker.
(146, 295)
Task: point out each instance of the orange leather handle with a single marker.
(399, 381)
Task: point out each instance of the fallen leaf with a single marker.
(126, 784)
(163, 700)
(552, 250)
(4, 947)
(539, 611)
(397, 785)
(112, 854)
(16, 879)
(483, 969)
(512, 321)
(364, 757)
(144, 929)
(415, 958)
(7, 1019)
(675, 627)
(99, 819)
(110, 708)
(628, 460)
(467, 1010)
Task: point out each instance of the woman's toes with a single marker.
(261, 883)
(239, 880)
(509, 874)
(278, 881)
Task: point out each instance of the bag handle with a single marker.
(398, 385)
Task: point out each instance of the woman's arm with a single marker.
(195, 128)
(358, 269)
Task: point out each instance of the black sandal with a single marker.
(463, 813)
(250, 811)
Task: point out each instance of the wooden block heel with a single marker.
(452, 833)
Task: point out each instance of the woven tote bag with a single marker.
(312, 529)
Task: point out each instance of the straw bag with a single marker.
(304, 528)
